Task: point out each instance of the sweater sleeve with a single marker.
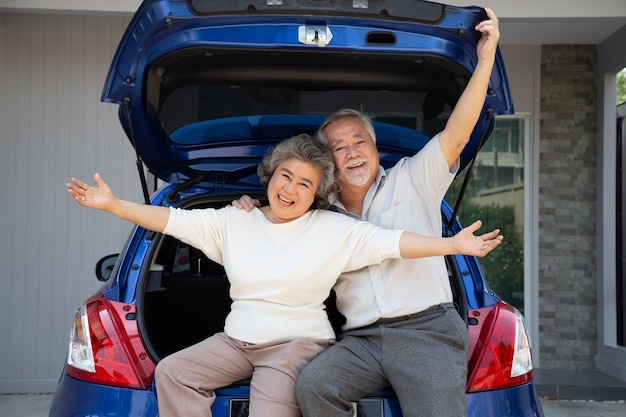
(362, 243)
(200, 228)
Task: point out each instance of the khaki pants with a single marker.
(186, 380)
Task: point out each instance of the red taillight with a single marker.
(501, 356)
(105, 347)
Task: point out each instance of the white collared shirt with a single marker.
(408, 196)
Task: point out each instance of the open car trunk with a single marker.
(184, 297)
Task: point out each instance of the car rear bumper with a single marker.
(84, 399)
(520, 401)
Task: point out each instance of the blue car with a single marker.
(203, 89)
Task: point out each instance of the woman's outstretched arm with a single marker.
(101, 197)
(465, 242)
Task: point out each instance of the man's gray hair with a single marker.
(342, 114)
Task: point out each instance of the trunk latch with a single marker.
(314, 35)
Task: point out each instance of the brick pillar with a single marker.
(567, 207)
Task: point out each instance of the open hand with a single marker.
(100, 197)
(467, 243)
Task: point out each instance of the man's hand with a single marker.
(488, 43)
(246, 203)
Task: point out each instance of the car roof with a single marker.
(205, 87)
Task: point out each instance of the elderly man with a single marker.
(402, 329)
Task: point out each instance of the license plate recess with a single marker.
(367, 407)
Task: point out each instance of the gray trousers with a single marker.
(187, 379)
(423, 357)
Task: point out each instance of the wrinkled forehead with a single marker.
(345, 129)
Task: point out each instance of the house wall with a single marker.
(611, 358)
(570, 92)
(556, 85)
(53, 127)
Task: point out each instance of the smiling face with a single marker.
(354, 152)
(291, 189)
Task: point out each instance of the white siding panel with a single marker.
(52, 127)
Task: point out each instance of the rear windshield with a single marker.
(193, 104)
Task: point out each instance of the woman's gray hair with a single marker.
(306, 149)
(342, 114)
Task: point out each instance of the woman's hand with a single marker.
(99, 197)
(465, 242)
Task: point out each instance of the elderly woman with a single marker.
(282, 260)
